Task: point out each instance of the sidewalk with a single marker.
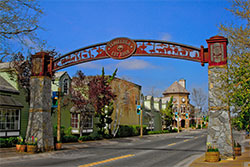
(240, 161)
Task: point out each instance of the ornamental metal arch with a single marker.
(147, 48)
(44, 65)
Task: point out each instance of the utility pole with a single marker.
(59, 115)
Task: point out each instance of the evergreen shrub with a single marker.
(174, 130)
(158, 132)
(130, 130)
(69, 138)
(8, 142)
(85, 138)
(96, 136)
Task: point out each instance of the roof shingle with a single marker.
(175, 88)
(5, 86)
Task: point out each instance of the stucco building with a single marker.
(127, 97)
(14, 108)
(183, 110)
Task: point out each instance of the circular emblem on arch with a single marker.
(120, 48)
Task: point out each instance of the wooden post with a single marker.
(59, 116)
(141, 124)
(178, 125)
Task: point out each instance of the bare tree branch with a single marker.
(19, 31)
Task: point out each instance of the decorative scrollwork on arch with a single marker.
(146, 48)
(86, 54)
(167, 49)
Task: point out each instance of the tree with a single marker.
(124, 90)
(80, 97)
(152, 91)
(108, 119)
(19, 23)
(101, 96)
(22, 72)
(167, 113)
(91, 95)
(200, 99)
(237, 80)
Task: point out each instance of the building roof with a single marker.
(165, 100)
(6, 100)
(59, 74)
(5, 65)
(157, 99)
(115, 78)
(5, 86)
(148, 98)
(175, 88)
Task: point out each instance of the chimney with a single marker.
(182, 82)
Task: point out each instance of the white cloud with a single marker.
(131, 64)
(165, 36)
(134, 64)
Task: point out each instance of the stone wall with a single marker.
(219, 127)
(39, 124)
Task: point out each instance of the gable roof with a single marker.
(115, 78)
(5, 86)
(175, 88)
(5, 65)
(8, 101)
(59, 74)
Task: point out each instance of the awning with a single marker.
(9, 101)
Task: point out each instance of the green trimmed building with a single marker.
(14, 109)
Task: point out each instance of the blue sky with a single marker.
(73, 24)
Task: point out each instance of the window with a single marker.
(183, 109)
(74, 120)
(9, 119)
(88, 123)
(65, 86)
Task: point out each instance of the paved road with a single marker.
(166, 150)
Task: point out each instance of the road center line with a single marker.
(172, 144)
(186, 140)
(107, 160)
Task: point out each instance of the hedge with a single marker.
(158, 132)
(92, 136)
(130, 130)
(8, 142)
(69, 138)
